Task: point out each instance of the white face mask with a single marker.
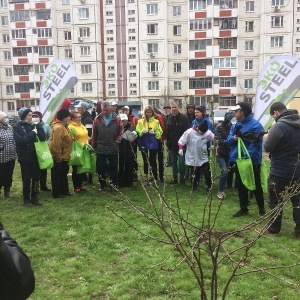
(6, 121)
(35, 120)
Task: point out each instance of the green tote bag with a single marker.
(245, 166)
(43, 154)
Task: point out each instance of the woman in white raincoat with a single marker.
(195, 139)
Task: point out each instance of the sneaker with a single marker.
(296, 234)
(264, 231)
(241, 213)
(221, 195)
(77, 190)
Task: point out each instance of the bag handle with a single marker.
(242, 148)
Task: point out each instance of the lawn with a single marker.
(79, 249)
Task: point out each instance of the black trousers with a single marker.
(126, 171)
(43, 179)
(112, 168)
(160, 158)
(6, 174)
(31, 179)
(149, 157)
(77, 179)
(196, 171)
(59, 178)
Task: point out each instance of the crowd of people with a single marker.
(116, 137)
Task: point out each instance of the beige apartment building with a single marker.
(139, 52)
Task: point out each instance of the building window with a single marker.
(225, 62)
(11, 106)
(19, 15)
(67, 18)
(8, 72)
(4, 20)
(153, 85)
(18, 34)
(248, 64)
(109, 21)
(68, 35)
(228, 43)
(249, 26)
(111, 86)
(248, 83)
(131, 12)
(132, 49)
(85, 51)
(84, 32)
(177, 48)
(68, 53)
(83, 13)
(42, 32)
(86, 69)
(200, 83)
(23, 51)
(276, 41)
(152, 9)
(152, 28)
(176, 11)
(87, 87)
(65, 2)
(152, 48)
(110, 57)
(109, 2)
(132, 56)
(199, 44)
(110, 68)
(132, 38)
(228, 23)
(177, 29)
(249, 6)
(111, 93)
(131, 30)
(177, 67)
(109, 13)
(177, 85)
(39, 69)
(9, 90)
(111, 75)
(132, 74)
(132, 67)
(3, 3)
(227, 101)
(44, 50)
(197, 4)
(22, 69)
(110, 50)
(277, 21)
(249, 45)
(153, 102)
(131, 1)
(109, 31)
(227, 81)
(152, 66)
(24, 87)
(201, 24)
(132, 85)
(7, 55)
(133, 92)
(131, 19)
(6, 38)
(43, 14)
(110, 39)
(277, 2)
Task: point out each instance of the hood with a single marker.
(289, 117)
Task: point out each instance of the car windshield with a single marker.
(219, 113)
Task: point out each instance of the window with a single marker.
(133, 92)
(132, 49)
(111, 86)
(68, 35)
(199, 44)
(110, 57)
(176, 11)
(152, 28)
(21, 51)
(227, 101)
(67, 18)
(131, 1)
(132, 74)
(248, 83)
(3, 3)
(18, 34)
(197, 4)
(6, 38)
(200, 24)
(200, 83)
(11, 106)
(177, 67)
(7, 55)
(110, 68)
(110, 50)
(65, 2)
(109, 39)
(86, 69)
(84, 32)
(68, 53)
(249, 45)
(9, 90)
(177, 29)
(131, 30)
(111, 75)
(39, 69)
(177, 48)
(132, 85)
(249, 6)
(22, 69)
(249, 26)
(276, 41)
(4, 20)
(132, 38)
(225, 62)
(152, 48)
(132, 56)
(109, 13)
(152, 9)
(153, 102)
(8, 72)
(132, 67)
(83, 13)
(177, 85)
(277, 21)
(228, 23)
(131, 12)
(131, 19)
(277, 2)
(228, 43)
(153, 85)
(109, 2)
(227, 81)
(19, 15)
(85, 51)
(152, 66)
(44, 50)
(109, 21)
(109, 31)
(43, 14)
(87, 87)
(248, 64)
(196, 64)
(23, 87)
(43, 32)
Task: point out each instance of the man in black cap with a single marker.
(250, 131)
(190, 113)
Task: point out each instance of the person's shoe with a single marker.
(46, 189)
(241, 213)
(27, 202)
(7, 195)
(174, 181)
(77, 190)
(182, 181)
(162, 180)
(264, 231)
(221, 195)
(296, 234)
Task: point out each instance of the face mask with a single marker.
(6, 121)
(35, 120)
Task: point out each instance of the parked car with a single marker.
(218, 116)
(13, 120)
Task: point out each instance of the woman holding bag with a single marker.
(80, 134)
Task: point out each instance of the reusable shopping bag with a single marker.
(43, 154)
(244, 164)
(76, 156)
(264, 174)
(94, 163)
(86, 165)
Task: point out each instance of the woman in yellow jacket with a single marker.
(80, 134)
(149, 131)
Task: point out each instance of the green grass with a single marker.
(80, 250)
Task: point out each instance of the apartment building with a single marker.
(206, 52)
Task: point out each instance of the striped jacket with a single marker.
(7, 144)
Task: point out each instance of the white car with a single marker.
(218, 116)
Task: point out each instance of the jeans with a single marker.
(223, 165)
(112, 168)
(277, 185)
(174, 156)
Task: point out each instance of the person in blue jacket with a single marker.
(251, 132)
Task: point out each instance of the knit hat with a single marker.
(61, 114)
(37, 113)
(245, 107)
(83, 105)
(23, 112)
(228, 117)
(203, 126)
(167, 107)
(190, 105)
(123, 117)
(2, 115)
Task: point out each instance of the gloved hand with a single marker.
(144, 130)
(180, 152)
(151, 131)
(134, 133)
(34, 130)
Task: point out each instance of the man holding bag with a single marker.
(250, 131)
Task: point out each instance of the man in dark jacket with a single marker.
(25, 135)
(190, 113)
(283, 143)
(107, 134)
(17, 280)
(177, 124)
